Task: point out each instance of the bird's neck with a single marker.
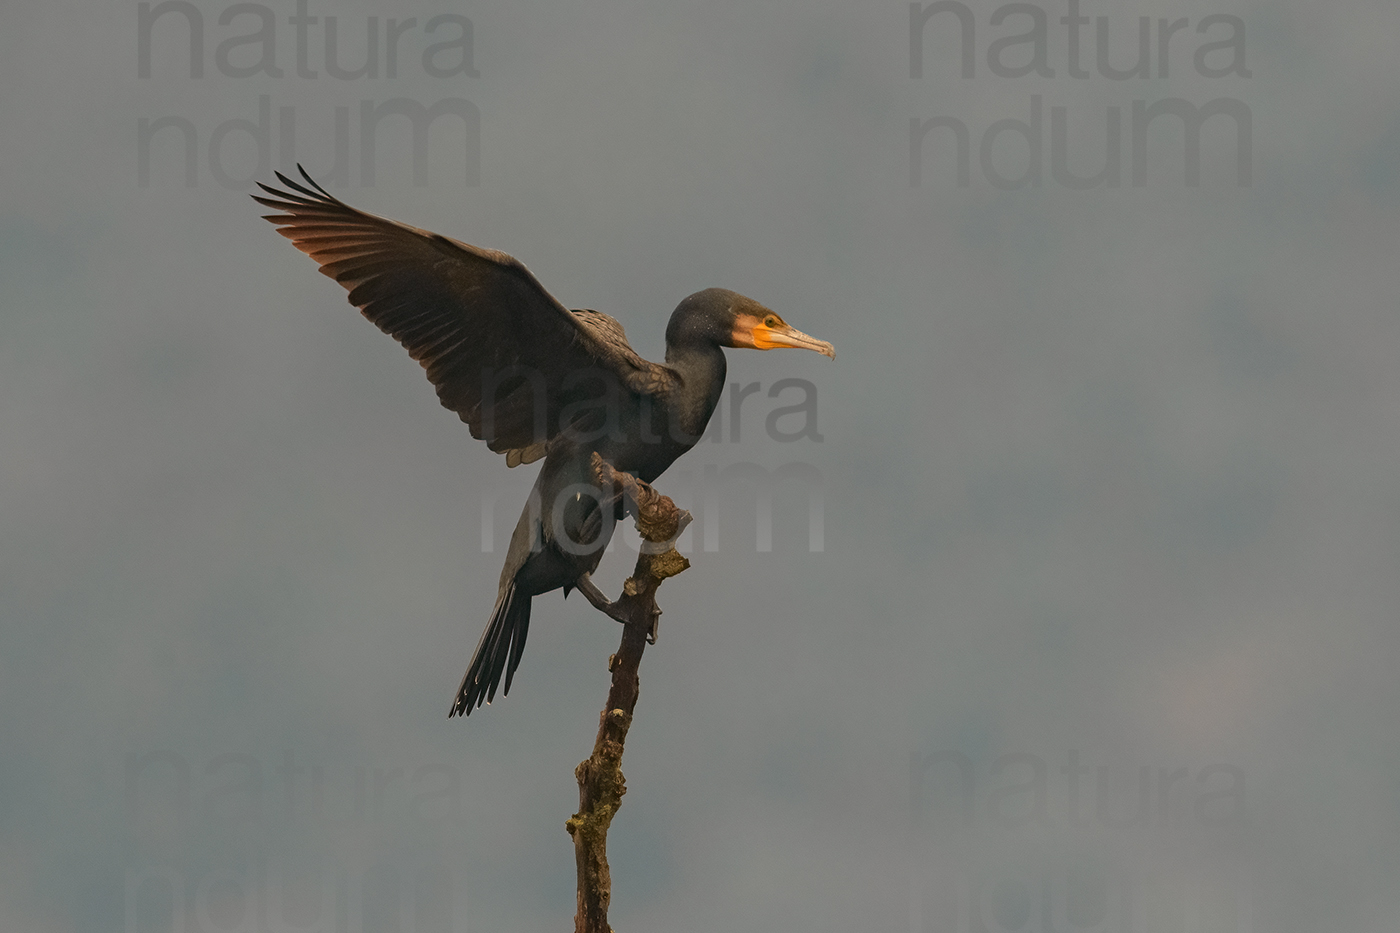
(702, 368)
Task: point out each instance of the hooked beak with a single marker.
(785, 335)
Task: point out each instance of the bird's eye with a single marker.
(770, 321)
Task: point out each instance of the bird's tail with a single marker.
(498, 652)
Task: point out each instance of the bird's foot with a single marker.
(595, 597)
(590, 591)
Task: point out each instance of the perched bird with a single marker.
(534, 380)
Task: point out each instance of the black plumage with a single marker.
(533, 380)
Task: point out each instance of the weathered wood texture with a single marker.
(600, 781)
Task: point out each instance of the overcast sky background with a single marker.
(1108, 483)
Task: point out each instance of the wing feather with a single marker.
(497, 347)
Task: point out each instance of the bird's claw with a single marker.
(595, 597)
(590, 591)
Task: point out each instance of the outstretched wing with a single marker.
(508, 358)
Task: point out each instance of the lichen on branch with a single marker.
(600, 781)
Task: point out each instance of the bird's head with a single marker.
(729, 319)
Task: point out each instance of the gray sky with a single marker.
(1102, 630)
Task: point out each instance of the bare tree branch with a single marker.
(600, 781)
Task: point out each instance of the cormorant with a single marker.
(534, 380)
